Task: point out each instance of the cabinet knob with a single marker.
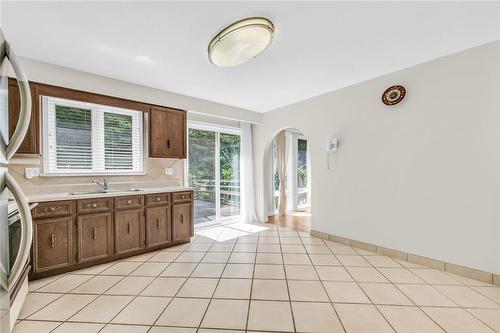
(52, 209)
(94, 205)
(182, 196)
(129, 202)
(158, 199)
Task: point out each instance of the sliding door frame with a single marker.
(217, 129)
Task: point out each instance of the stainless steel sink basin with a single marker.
(104, 192)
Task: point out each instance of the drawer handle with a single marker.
(52, 209)
(182, 218)
(129, 202)
(183, 196)
(52, 240)
(168, 143)
(158, 199)
(128, 228)
(158, 223)
(94, 234)
(94, 205)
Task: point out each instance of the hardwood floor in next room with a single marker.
(299, 220)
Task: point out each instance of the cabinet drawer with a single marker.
(96, 205)
(129, 202)
(157, 199)
(182, 196)
(54, 208)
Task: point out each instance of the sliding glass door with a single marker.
(214, 172)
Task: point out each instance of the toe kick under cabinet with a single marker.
(74, 234)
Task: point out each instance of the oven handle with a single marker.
(26, 230)
(25, 108)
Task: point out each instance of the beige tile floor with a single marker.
(260, 278)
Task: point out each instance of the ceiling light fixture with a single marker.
(240, 41)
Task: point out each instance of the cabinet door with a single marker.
(30, 143)
(95, 237)
(52, 243)
(182, 224)
(129, 231)
(158, 226)
(167, 132)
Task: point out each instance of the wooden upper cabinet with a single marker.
(30, 145)
(167, 132)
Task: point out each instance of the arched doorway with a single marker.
(289, 187)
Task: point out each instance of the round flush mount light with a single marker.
(240, 41)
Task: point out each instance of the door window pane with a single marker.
(229, 175)
(202, 174)
(302, 190)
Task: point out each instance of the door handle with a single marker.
(52, 240)
(158, 223)
(94, 235)
(26, 232)
(128, 228)
(182, 218)
(25, 103)
(168, 143)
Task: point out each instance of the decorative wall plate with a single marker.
(393, 95)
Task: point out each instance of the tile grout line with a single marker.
(251, 282)
(322, 283)
(286, 281)
(187, 278)
(218, 281)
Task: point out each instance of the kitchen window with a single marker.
(82, 138)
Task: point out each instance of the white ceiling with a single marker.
(318, 46)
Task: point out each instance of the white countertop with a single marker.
(56, 196)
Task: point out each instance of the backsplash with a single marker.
(153, 168)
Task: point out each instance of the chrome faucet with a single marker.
(104, 185)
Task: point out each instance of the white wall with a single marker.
(422, 176)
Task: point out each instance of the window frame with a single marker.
(95, 108)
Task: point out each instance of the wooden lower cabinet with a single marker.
(182, 225)
(158, 226)
(129, 231)
(75, 234)
(52, 243)
(95, 236)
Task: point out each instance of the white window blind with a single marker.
(86, 138)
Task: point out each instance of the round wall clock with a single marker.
(393, 95)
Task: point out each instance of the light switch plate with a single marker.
(169, 171)
(31, 172)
